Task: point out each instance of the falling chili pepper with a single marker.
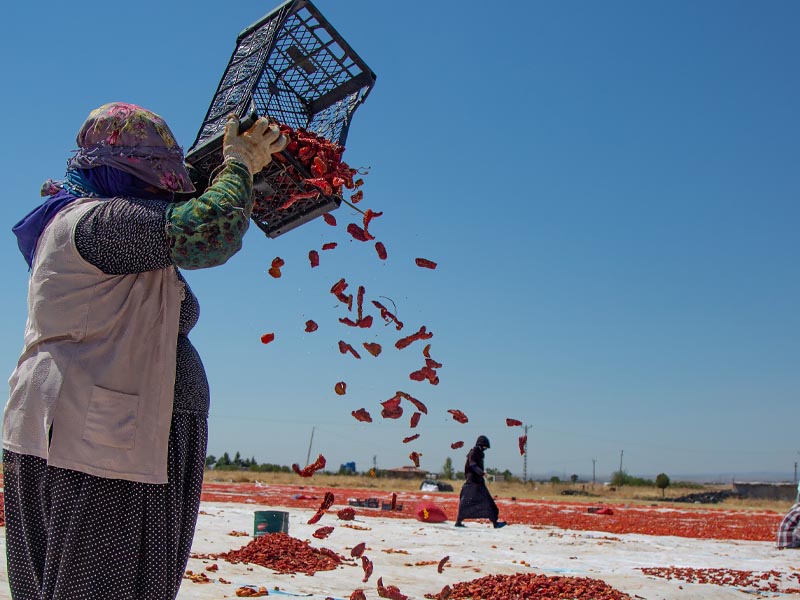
(358, 549)
(425, 263)
(329, 245)
(267, 338)
(348, 321)
(365, 323)
(339, 287)
(426, 351)
(414, 456)
(320, 183)
(309, 470)
(358, 594)
(457, 445)
(369, 214)
(362, 415)
(313, 258)
(360, 302)
(329, 219)
(340, 388)
(357, 197)
(442, 562)
(356, 232)
(388, 316)
(373, 348)
(274, 272)
(323, 532)
(523, 441)
(327, 502)
(311, 326)
(415, 419)
(458, 415)
(513, 422)
(392, 408)
(366, 564)
(381, 250)
(410, 438)
(419, 405)
(394, 500)
(422, 334)
(344, 348)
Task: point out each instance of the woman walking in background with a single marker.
(105, 429)
(476, 502)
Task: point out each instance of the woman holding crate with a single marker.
(105, 429)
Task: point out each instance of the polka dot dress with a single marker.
(74, 536)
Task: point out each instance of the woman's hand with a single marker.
(255, 146)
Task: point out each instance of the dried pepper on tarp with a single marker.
(309, 470)
(422, 334)
(458, 415)
(362, 415)
(513, 422)
(391, 592)
(358, 594)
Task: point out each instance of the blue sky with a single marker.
(610, 191)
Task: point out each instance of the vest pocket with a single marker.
(111, 418)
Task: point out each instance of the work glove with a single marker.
(255, 146)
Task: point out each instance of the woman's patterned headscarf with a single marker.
(123, 150)
(134, 140)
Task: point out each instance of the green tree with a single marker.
(619, 478)
(662, 482)
(224, 460)
(573, 478)
(211, 460)
(447, 468)
(555, 479)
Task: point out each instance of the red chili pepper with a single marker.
(311, 326)
(313, 258)
(387, 316)
(369, 214)
(458, 415)
(348, 321)
(365, 323)
(323, 532)
(358, 549)
(274, 272)
(360, 302)
(320, 183)
(419, 405)
(366, 564)
(414, 456)
(309, 470)
(392, 408)
(425, 263)
(381, 250)
(415, 419)
(339, 287)
(410, 438)
(329, 245)
(422, 334)
(340, 388)
(373, 348)
(390, 591)
(356, 232)
(513, 422)
(344, 348)
(267, 338)
(457, 445)
(346, 514)
(442, 562)
(394, 500)
(329, 219)
(357, 197)
(362, 415)
(358, 595)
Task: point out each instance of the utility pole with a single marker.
(308, 456)
(621, 479)
(594, 464)
(525, 456)
(795, 471)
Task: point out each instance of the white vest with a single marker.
(98, 363)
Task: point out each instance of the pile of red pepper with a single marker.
(284, 554)
(531, 586)
(762, 581)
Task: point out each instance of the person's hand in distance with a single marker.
(253, 147)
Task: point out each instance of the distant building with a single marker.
(766, 491)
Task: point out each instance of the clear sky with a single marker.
(610, 191)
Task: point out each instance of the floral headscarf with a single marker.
(134, 140)
(123, 150)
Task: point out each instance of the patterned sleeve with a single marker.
(124, 235)
(206, 231)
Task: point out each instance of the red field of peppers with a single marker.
(679, 521)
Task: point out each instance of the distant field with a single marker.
(530, 490)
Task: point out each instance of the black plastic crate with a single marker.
(295, 68)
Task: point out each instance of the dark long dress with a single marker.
(476, 501)
(75, 536)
